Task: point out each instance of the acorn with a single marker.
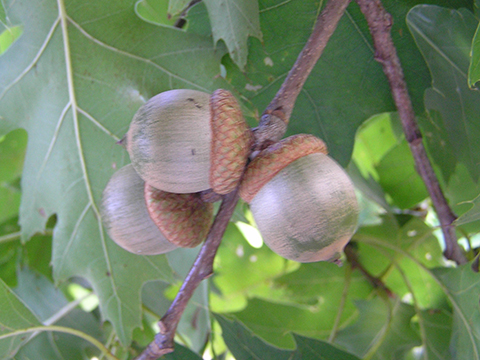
(188, 141)
(302, 201)
(148, 221)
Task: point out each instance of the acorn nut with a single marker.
(147, 221)
(303, 202)
(187, 141)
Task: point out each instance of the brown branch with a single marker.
(380, 23)
(201, 269)
(352, 257)
(273, 123)
(272, 127)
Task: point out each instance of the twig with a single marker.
(201, 269)
(380, 23)
(273, 123)
(352, 258)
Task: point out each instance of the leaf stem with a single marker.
(341, 306)
(355, 263)
(65, 330)
(10, 237)
(380, 23)
(17, 235)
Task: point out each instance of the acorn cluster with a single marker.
(184, 142)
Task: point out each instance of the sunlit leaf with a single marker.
(12, 153)
(8, 37)
(373, 140)
(176, 6)
(474, 68)
(398, 177)
(242, 271)
(155, 11)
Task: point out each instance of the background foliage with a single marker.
(72, 74)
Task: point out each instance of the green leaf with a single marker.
(274, 322)
(444, 37)
(234, 21)
(462, 192)
(382, 330)
(12, 153)
(155, 11)
(346, 87)
(8, 37)
(462, 286)
(399, 179)
(436, 333)
(3, 15)
(308, 348)
(474, 68)
(244, 345)
(329, 290)
(93, 76)
(177, 6)
(48, 303)
(182, 353)
(407, 276)
(471, 215)
(242, 271)
(14, 316)
(374, 138)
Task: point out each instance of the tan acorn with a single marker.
(303, 202)
(148, 221)
(187, 141)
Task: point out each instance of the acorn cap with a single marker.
(231, 142)
(274, 158)
(184, 219)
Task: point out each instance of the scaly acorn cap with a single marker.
(274, 158)
(184, 219)
(231, 142)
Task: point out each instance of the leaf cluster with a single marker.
(73, 73)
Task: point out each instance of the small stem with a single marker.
(201, 269)
(17, 235)
(276, 116)
(10, 237)
(380, 23)
(376, 282)
(65, 330)
(341, 307)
